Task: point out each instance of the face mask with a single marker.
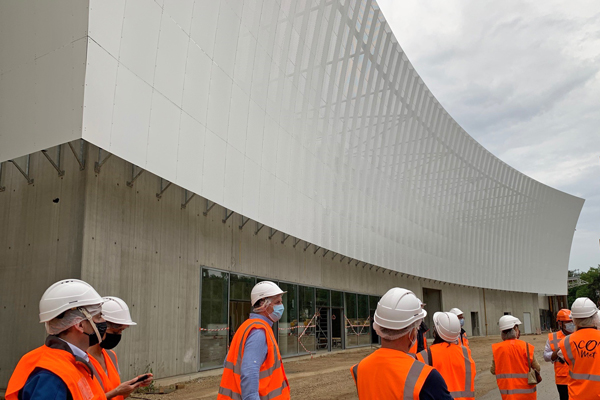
(462, 323)
(110, 341)
(93, 337)
(277, 312)
(569, 327)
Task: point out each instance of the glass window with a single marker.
(373, 300)
(363, 327)
(306, 320)
(241, 286)
(337, 299)
(322, 298)
(213, 318)
(288, 324)
(351, 319)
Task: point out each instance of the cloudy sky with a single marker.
(522, 78)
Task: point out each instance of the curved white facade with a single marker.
(308, 117)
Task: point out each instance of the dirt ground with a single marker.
(327, 376)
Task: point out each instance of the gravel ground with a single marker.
(328, 376)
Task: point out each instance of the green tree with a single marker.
(592, 289)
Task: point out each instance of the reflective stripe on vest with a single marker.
(587, 377)
(466, 392)
(227, 390)
(510, 359)
(411, 379)
(569, 356)
(97, 376)
(237, 367)
(427, 357)
(113, 357)
(76, 375)
(519, 391)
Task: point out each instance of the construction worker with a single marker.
(463, 334)
(552, 350)
(580, 349)
(253, 368)
(60, 369)
(104, 360)
(421, 342)
(452, 359)
(511, 364)
(391, 373)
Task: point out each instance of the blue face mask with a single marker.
(277, 312)
(462, 322)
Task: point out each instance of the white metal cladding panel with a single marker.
(307, 116)
(42, 68)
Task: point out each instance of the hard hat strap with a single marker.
(88, 316)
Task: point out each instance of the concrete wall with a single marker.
(40, 243)
(128, 243)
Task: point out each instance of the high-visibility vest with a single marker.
(389, 374)
(561, 370)
(580, 350)
(463, 339)
(272, 383)
(413, 349)
(510, 359)
(76, 374)
(110, 379)
(455, 364)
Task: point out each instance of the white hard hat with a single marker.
(508, 322)
(583, 308)
(65, 295)
(116, 311)
(456, 311)
(263, 290)
(447, 326)
(398, 308)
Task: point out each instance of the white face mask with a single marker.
(569, 327)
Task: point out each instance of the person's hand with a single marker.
(554, 355)
(125, 388)
(147, 381)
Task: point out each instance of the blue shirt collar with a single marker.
(267, 320)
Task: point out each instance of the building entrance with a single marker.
(433, 300)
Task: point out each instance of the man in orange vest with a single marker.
(581, 351)
(452, 359)
(60, 369)
(511, 361)
(253, 369)
(104, 360)
(463, 334)
(390, 373)
(561, 369)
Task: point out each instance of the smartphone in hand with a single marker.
(141, 379)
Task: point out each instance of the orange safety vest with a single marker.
(561, 370)
(413, 349)
(272, 384)
(580, 350)
(74, 372)
(510, 359)
(110, 379)
(455, 364)
(389, 374)
(464, 340)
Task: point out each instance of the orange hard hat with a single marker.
(564, 315)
